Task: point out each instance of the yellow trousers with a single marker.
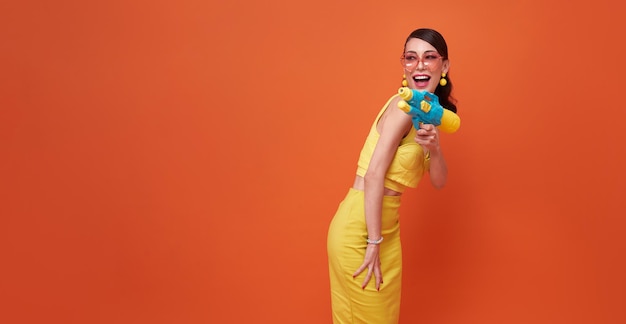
(346, 248)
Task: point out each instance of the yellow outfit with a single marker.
(408, 165)
(348, 233)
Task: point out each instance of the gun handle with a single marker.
(450, 122)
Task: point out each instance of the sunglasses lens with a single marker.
(410, 60)
(430, 59)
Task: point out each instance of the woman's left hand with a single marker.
(428, 137)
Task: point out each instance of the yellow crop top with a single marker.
(407, 166)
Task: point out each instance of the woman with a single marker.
(364, 235)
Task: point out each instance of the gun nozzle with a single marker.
(405, 93)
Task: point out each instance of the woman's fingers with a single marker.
(371, 262)
(359, 270)
(427, 136)
(367, 277)
(427, 127)
(379, 277)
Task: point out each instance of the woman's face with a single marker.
(423, 65)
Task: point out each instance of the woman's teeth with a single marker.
(421, 78)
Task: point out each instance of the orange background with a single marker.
(179, 162)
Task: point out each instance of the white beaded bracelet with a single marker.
(375, 242)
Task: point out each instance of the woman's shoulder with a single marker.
(393, 101)
(393, 117)
(392, 109)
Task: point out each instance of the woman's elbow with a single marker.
(372, 176)
(438, 183)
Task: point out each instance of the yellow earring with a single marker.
(443, 81)
(404, 82)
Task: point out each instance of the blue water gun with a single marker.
(424, 108)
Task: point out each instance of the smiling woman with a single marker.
(162, 162)
(364, 236)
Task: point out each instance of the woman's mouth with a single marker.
(421, 80)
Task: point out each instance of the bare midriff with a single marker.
(359, 184)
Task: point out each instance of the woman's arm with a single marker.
(392, 126)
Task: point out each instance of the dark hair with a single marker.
(435, 39)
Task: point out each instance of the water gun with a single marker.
(424, 107)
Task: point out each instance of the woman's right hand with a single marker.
(371, 262)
